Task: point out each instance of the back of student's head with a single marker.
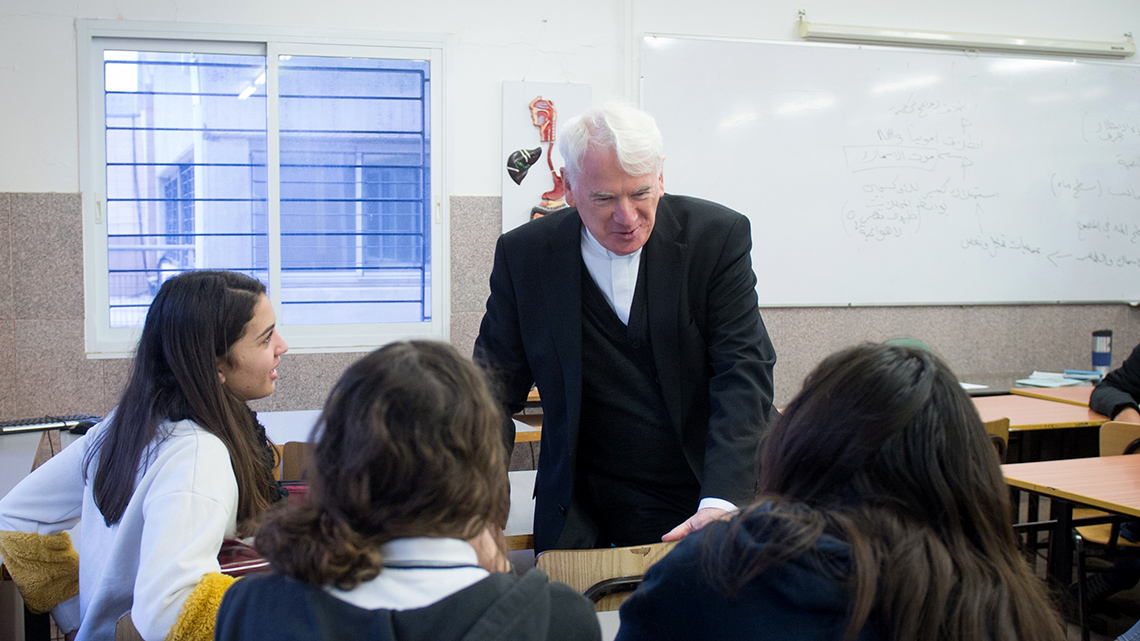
(883, 450)
(409, 444)
(194, 320)
(889, 427)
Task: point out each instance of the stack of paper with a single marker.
(1048, 379)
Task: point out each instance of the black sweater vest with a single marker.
(625, 433)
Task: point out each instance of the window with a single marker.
(178, 203)
(312, 167)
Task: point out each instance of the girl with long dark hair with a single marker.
(882, 515)
(178, 466)
(407, 482)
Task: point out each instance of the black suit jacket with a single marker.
(713, 356)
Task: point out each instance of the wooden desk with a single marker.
(528, 428)
(1110, 483)
(1028, 414)
(1072, 395)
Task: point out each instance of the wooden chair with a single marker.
(278, 456)
(606, 576)
(998, 429)
(1116, 439)
(125, 629)
(294, 459)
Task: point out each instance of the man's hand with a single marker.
(490, 546)
(1128, 415)
(696, 522)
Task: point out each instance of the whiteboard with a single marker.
(879, 176)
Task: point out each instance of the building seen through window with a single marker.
(190, 153)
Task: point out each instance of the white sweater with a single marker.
(184, 504)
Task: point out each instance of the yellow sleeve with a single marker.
(44, 566)
(200, 611)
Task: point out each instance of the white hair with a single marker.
(630, 132)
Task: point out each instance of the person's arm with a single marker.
(499, 346)
(33, 544)
(741, 389)
(188, 511)
(1127, 415)
(703, 517)
(1117, 394)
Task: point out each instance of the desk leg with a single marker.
(1061, 543)
(1027, 540)
(1032, 515)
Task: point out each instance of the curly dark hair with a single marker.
(409, 444)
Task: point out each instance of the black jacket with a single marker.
(805, 599)
(502, 606)
(711, 351)
(1120, 388)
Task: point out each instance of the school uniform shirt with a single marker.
(184, 505)
(429, 589)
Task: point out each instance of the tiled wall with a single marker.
(42, 363)
(43, 369)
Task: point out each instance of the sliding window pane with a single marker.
(185, 159)
(355, 190)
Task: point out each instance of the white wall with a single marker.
(588, 41)
(492, 41)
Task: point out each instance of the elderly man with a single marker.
(635, 312)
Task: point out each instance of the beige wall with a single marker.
(43, 369)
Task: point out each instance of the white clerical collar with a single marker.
(615, 275)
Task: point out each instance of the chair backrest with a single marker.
(1115, 438)
(278, 453)
(585, 570)
(998, 429)
(125, 629)
(294, 458)
(50, 445)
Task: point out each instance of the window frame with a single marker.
(94, 36)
